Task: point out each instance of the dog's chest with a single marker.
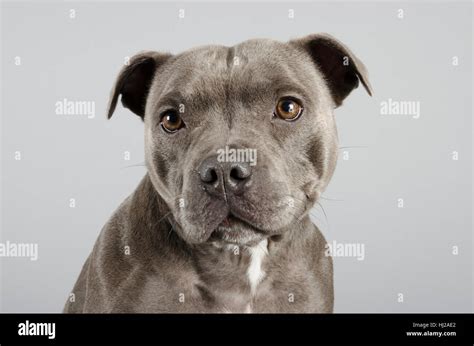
(255, 272)
(231, 282)
(257, 281)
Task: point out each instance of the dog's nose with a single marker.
(209, 171)
(219, 178)
(237, 177)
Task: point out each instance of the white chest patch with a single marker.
(255, 273)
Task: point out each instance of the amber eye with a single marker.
(171, 121)
(288, 109)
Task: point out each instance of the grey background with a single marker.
(408, 250)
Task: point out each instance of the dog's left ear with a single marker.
(340, 67)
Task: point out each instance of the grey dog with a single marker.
(206, 234)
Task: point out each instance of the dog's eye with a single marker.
(288, 109)
(171, 121)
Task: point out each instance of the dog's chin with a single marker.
(237, 232)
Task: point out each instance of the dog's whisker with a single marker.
(169, 232)
(354, 147)
(331, 199)
(316, 216)
(164, 216)
(324, 212)
(135, 165)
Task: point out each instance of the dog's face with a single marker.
(240, 141)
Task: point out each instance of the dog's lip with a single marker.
(232, 228)
(232, 219)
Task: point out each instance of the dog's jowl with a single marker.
(236, 154)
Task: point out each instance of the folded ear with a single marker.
(340, 67)
(134, 81)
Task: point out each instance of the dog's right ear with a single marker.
(134, 81)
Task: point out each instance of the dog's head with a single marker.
(240, 141)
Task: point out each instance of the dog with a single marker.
(205, 232)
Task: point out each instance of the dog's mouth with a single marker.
(234, 230)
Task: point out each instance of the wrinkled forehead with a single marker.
(241, 72)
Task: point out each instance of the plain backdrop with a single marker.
(408, 250)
